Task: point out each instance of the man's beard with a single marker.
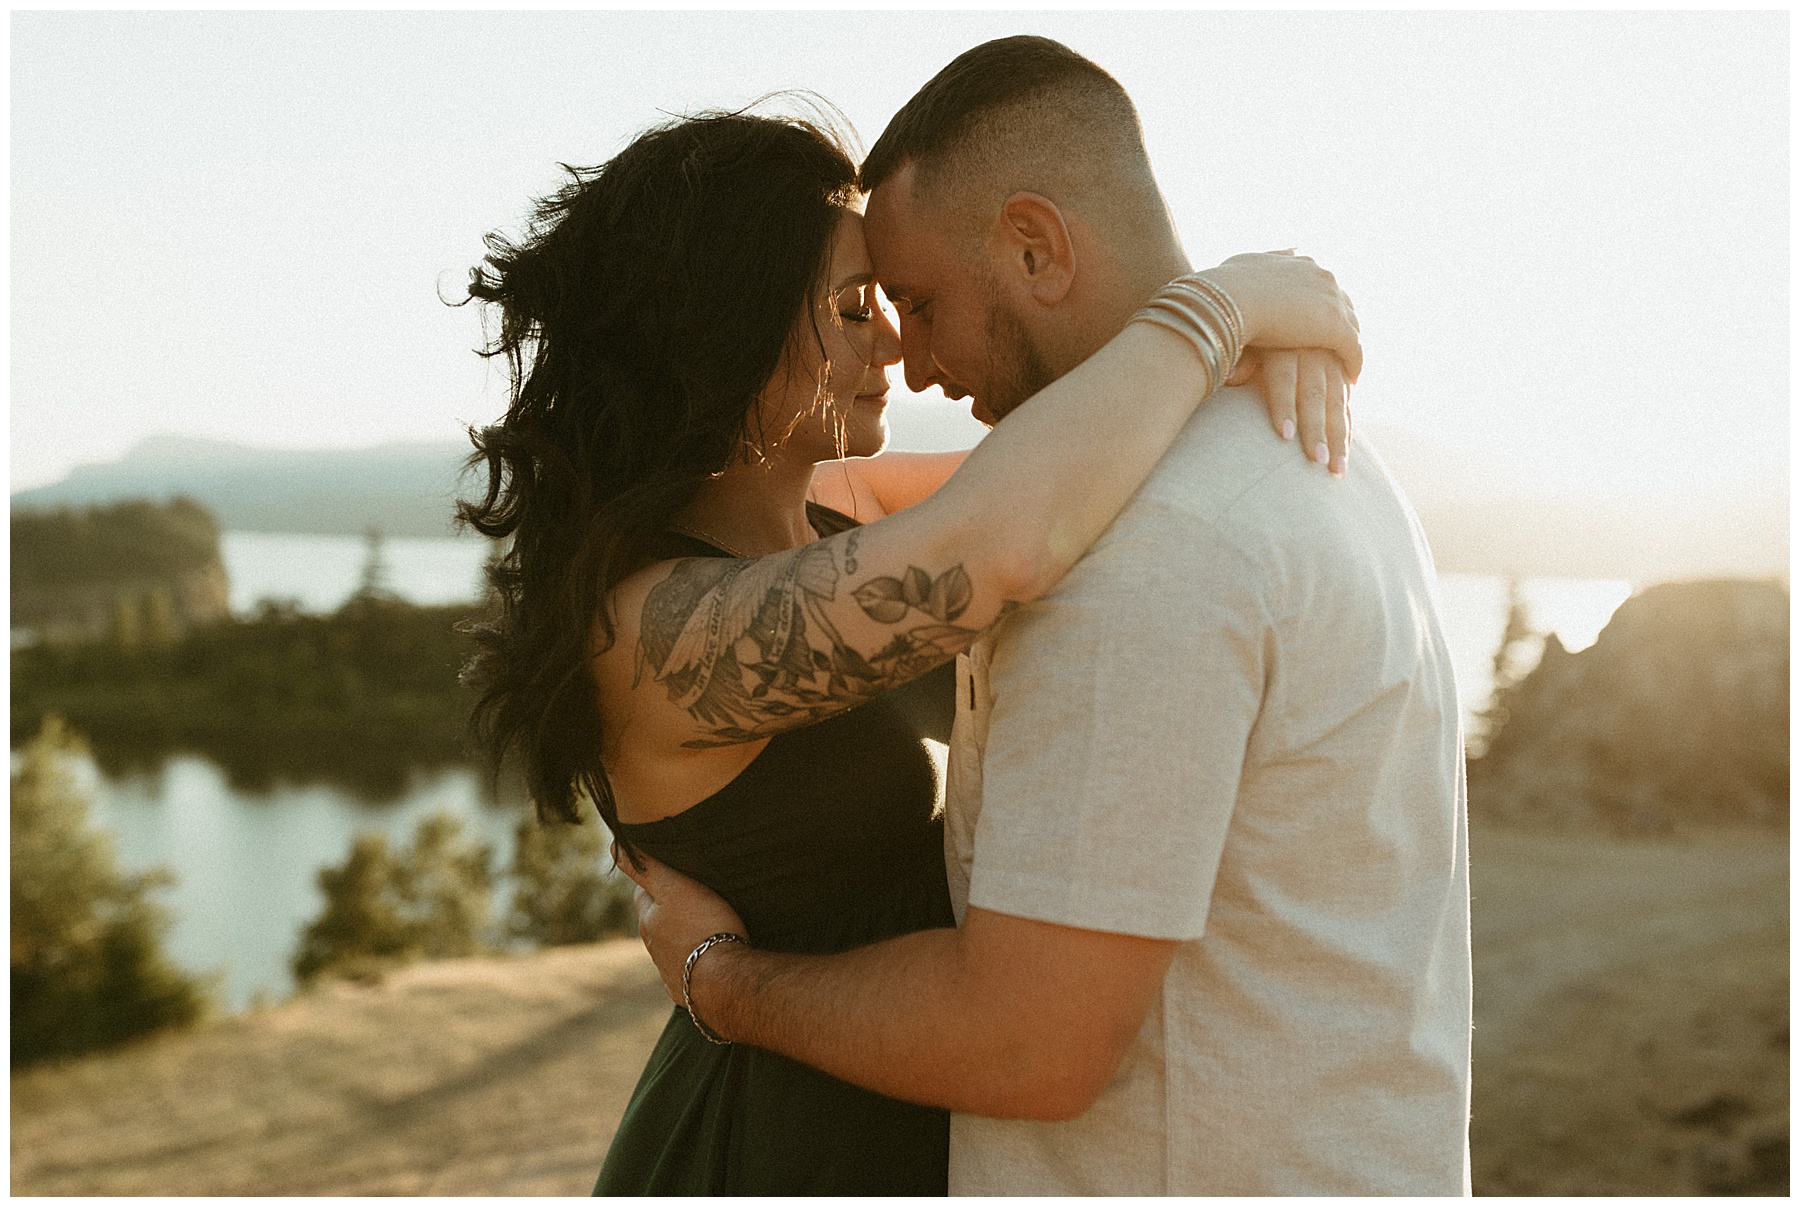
(1015, 370)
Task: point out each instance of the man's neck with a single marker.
(1117, 295)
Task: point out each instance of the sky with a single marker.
(1566, 234)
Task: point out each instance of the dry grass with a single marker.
(1631, 1014)
(1631, 1038)
(489, 1076)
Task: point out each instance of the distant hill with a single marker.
(1481, 519)
(402, 489)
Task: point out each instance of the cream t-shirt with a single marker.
(1234, 724)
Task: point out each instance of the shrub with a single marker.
(88, 969)
(561, 892)
(360, 697)
(384, 909)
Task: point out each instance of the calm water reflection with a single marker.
(246, 865)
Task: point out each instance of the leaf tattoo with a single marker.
(887, 600)
(747, 648)
(881, 600)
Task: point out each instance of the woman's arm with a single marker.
(716, 652)
(868, 488)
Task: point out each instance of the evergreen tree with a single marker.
(561, 892)
(428, 902)
(1513, 659)
(373, 582)
(88, 969)
(1516, 640)
(361, 931)
(446, 884)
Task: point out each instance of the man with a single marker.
(1205, 820)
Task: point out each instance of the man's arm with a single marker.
(1006, 1017)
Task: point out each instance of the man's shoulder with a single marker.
(1230, 477)
(1233, 511)
(1227, 449)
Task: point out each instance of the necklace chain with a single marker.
(690, 530)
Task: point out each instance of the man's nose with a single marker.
(915, 348)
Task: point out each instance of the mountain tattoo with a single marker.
(745, 647)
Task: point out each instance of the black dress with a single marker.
(825, 842)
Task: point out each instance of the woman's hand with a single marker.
(1306, 396)
(1303, 334)
(1290, 302)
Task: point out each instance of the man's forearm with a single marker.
(905, 1017)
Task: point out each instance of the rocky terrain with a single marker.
(1631, 1013)
(1677, 716)
(137, 572)
(1629, 874)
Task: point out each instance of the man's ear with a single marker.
(1036, 247)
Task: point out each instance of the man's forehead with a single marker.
(906, 245)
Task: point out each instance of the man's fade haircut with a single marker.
(1023, 113)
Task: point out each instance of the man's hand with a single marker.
(675, 915)
(1008, 1017)
(1306, 395)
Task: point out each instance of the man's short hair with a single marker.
(1019, 113)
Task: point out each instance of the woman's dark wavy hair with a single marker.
(640, 316)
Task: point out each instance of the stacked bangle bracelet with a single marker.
(687, 973)
(1204, 315)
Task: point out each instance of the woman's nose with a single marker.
(887, 340)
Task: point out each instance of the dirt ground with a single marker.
(471, 1077)
(1631, 1038)
(1631, 1014)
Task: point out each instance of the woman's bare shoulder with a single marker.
(844, 486)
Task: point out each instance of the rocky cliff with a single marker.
(140, 572)
(1677, 715)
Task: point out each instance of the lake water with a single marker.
(320, 572)
(246, 864)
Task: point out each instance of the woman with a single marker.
(685, 639)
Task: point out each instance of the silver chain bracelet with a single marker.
(687, 973)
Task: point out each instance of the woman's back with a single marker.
(828, 840)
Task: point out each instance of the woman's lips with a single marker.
(875, 400)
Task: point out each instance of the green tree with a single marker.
(373, 582)
(446, 884)
(88, 969)
(1513, 659)
(360, 697)
(561, 892)
(119, 542)
(383, 909)
(1513, 654)
(361, 931)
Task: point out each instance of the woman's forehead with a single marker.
(850, 253)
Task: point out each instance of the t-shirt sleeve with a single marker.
(1122, 705)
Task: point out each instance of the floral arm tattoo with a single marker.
(747, 648)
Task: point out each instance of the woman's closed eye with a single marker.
(857, 304)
